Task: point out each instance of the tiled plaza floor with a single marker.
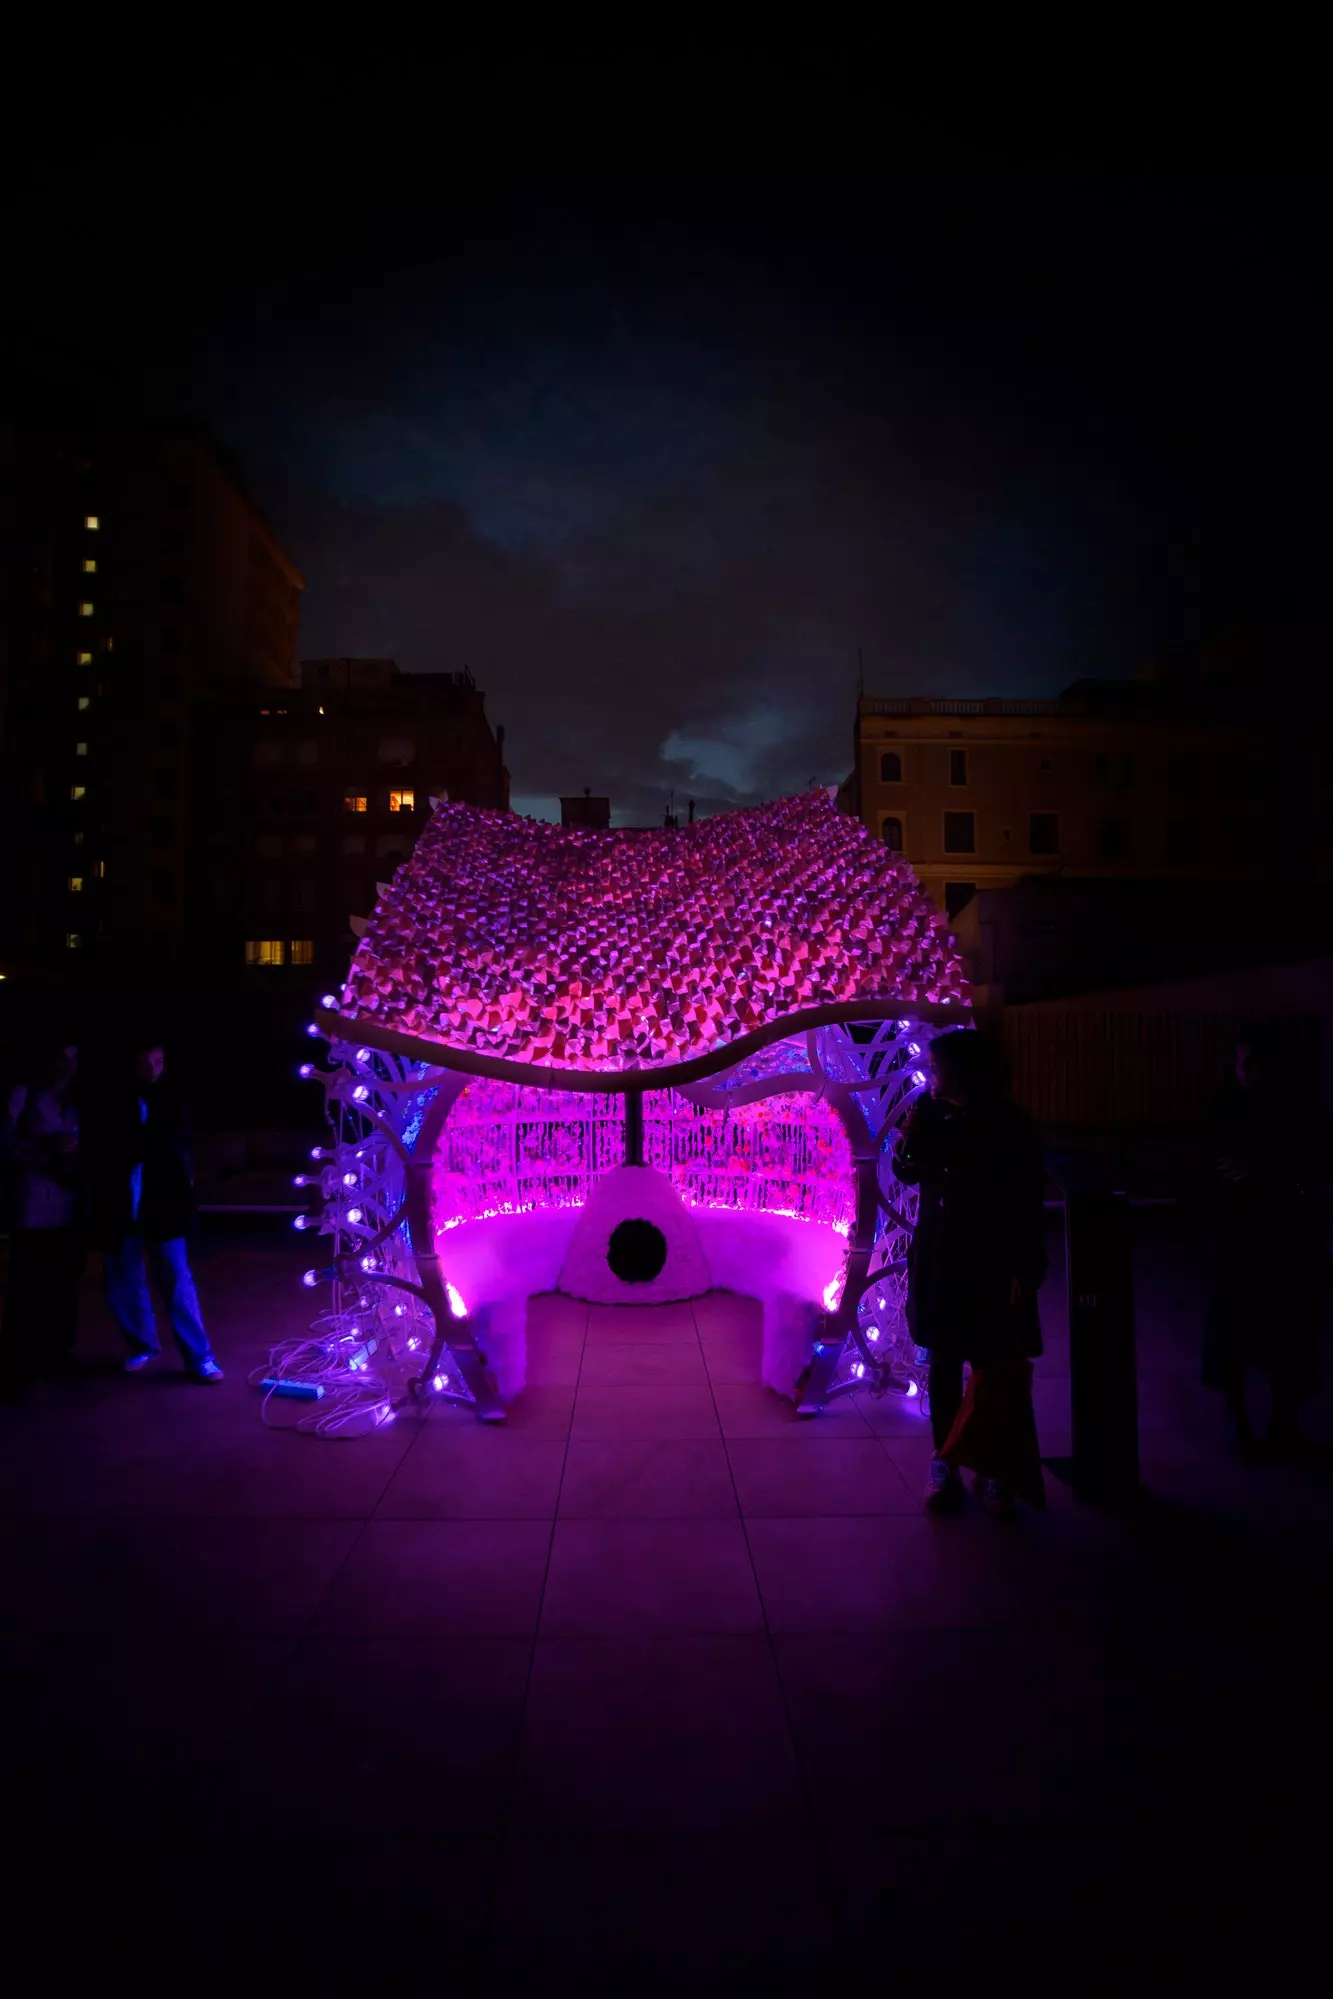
(654, 1689)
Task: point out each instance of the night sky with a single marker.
(654, 421)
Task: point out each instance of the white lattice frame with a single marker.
(702, 1082)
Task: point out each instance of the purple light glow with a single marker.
(509, 1149)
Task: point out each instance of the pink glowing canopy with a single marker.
(504, 946)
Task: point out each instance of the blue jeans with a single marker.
(131, 1307)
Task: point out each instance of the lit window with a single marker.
(76, 791)
(303, 951)
(91, 521)
(89, 566)
(83, 702)
(75, 884)
(265, 951)
(354, 801)
(99, 869)
(72, 940)
(85, 659)
(85, 610)
(402, 801)
(80, 749)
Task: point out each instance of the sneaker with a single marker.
(944, 1489)
(995, 1497)
(134, 1363)
(207, 1370)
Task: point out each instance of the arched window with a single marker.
(893, 835)
(890, 768)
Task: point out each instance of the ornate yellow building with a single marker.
(1132, 779)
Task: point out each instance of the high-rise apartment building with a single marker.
(140, 581)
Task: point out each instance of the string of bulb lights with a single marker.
(370, 1343)
(374, 1344)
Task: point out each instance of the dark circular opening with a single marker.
(636, 1252)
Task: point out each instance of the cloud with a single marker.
(692, 625)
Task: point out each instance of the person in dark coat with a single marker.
(40, 1143)
(1270, 1151)
(142, 1205)
(977, 1257)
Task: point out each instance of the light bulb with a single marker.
(301, 1180)
(316, 1152)
(363, 1055)
(328, 1000)
(302, 1221)
(919, 1079)
(354, 1214)
(306, 1071)
(859, 1369)
(912, 1388)
(349, 1179)
(312, 1029)
(873, 1334)
(367, 1263)
(440, 1383)
(360, 1093)
(456, 1305)
(311, 1278)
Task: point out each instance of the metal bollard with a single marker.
(1103, 1367)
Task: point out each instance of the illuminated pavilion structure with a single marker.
(632, 1066)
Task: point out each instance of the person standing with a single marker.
(1270, 1150)
(976, 1262)
(143, 1207)
(46, 1249)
